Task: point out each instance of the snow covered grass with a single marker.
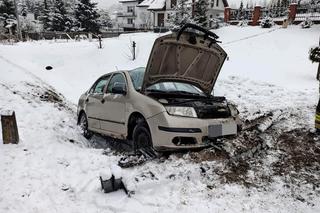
(53, 169)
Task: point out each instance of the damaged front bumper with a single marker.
(179, 133)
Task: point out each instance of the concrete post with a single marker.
(256, 15)
(227, 13)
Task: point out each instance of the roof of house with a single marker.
(146, 3)
(157, 5)
(124, 1)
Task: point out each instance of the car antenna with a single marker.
(117, 68)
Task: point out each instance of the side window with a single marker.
(117, 79)
(100, 85)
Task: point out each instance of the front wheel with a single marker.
(83, 123)
(141, 137)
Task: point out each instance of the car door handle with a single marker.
(103, 100)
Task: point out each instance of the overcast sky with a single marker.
(108, 3)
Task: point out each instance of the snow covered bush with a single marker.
(182, 14)
(243, 23)
(307, 23)
(267, 22)
(200, 13)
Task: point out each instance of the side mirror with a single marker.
(119, 88)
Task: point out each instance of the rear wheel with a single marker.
(83, 123)
(141, 136)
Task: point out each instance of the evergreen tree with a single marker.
(23, 8)
(284, 3)
(37, 10)
(44, 14)
(240, 11)
(87, 16)
(59, 20)
(7, 13)
(7, 7)
(182, 14)
(201, 10)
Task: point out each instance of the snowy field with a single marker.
(54, 169)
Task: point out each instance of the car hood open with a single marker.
(190, 58)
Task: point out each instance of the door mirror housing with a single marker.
(119, 88)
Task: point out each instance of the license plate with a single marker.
(218, 130)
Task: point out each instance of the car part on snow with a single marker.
(112, 184)
(10, 133)
(112, 181)
(140, 157)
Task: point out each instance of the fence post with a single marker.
(292, 12)
(134, 50)
(256, 15)
(9, 128)
(227, 11)
(100, 41)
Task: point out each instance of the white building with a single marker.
(216, 10)
(146, 14)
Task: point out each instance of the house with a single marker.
(127, 17)
(216, 10)
(134, 15)
(161, 11)
(147, 14)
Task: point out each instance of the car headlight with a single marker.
(182, 111)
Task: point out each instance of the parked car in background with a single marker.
(167, 105)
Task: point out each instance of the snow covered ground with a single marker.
(54, 169)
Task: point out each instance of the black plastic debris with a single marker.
(113, 184)
(49, 67)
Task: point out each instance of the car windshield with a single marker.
(137, 76)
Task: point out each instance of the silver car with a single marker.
(167, 105)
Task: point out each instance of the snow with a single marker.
(54, 169)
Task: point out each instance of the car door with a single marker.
(114, 107)
(94, 102)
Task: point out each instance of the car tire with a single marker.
(83, 124)
(141, 136)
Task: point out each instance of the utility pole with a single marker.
(18, 21)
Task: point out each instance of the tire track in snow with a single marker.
(25, 71)
(250, 37)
